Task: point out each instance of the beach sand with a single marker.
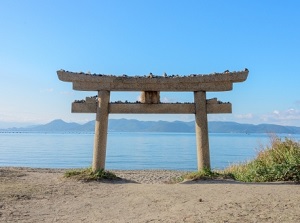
(44, 195)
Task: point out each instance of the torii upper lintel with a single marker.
(193, 82)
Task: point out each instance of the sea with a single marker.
(128, 150)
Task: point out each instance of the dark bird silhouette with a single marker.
(150, 75)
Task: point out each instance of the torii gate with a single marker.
(150, 86)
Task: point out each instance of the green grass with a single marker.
(280, 161)
(206, 174)
(88, 175)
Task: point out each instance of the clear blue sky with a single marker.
(137, 37)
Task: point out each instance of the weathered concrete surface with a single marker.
(91, 86)
(150, 97)
(138, 108)
(218, 108)
(84, 107)
(101, 131)
(211, 82)
(151, 108)
(201, 128)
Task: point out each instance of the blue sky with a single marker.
(137, 37)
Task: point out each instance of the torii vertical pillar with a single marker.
(203, 156)
(101, 126)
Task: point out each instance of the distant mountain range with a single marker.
(131, 125)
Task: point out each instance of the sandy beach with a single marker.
(44, 195)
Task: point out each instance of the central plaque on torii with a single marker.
(150, 87)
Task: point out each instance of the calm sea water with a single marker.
(127, 151)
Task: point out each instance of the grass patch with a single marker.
(207, 174)
(88, 175)
(280, 161)
(175, 180)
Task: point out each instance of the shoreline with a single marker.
(44, 195)
(142, 176)
(145, 176)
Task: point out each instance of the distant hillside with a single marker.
(120, 125)
(233, 127)
(126, 125)
(55, 125)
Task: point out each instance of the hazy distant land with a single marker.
(131, 125)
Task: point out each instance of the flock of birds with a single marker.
(150, 75)
(138, 102)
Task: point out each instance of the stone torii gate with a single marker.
(150, 87)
